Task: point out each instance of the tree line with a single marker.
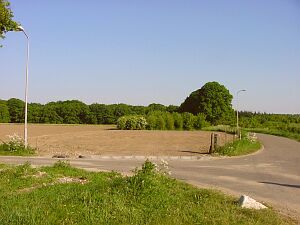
(212, 101)
(211, 104)
(284, 122)
(73, 112)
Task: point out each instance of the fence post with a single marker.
(214, 142)
(211, 149)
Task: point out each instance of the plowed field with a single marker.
(74, 140)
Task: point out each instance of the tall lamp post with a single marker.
(237, 113)
(26, 86)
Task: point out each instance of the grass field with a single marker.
(74, 140)
(65, 195)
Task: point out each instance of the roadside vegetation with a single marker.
(275, 124)
(208, 106)
(248, 144)
(15, 147)
(64, 195)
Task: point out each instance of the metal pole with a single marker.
(237, 113)
(26, 89)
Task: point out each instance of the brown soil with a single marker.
(74, 140)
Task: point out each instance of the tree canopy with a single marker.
(6, 19)
(213, 100)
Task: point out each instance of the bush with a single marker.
(188, 121)
(156, 120)
(178, 121)
(132, 123)
(200, 122)
(151, 121)
(121, 123)
(15, 146)
(169, 121)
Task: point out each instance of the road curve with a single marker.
(271, 175)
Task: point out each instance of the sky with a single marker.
(140, 52)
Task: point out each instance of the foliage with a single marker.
(75, 111)
(15, 146)
(213, 100)
(6, 19)
(134, 122)
(16, 110)
(200, 121)
(4, 112)
(34, 196)
(276, 124)
(188, 121)
(248, 144)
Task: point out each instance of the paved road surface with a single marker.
(271, 175)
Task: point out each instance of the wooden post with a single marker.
(216, 141)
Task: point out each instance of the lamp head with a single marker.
(20, 28)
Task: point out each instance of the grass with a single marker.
(5, 150)
(239, 147)
(34, 196)
(248, 144)
(273, 131)
(277, 132)
(16, 147)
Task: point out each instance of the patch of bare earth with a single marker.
(75, 140)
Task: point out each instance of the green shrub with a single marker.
(188, 121)
(134, 122)
(169, 121)
(200, 122)
(151, 121)
(161, 123)
(141, 123)
(156, 120)
(178, 121)
(15, 146)
(121, 123)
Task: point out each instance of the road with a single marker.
(271, 175)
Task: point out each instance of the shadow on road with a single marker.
(201, 153)
(279, 184)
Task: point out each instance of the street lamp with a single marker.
(237, 113)
(20, 28)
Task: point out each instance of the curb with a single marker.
(141, 157)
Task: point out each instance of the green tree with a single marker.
(178, 121)
(16, 110)
(156, 107)
(188, 121)
(103, 113)
(49, 114)
(172, 108)
(6, 19)
(4, 112)
(35, 112)
(73, 112)
(213, 100)
(169, 121)
(200, 122)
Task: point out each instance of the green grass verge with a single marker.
(5, 149)
(34, 196)
(282, 133)
(239, 147)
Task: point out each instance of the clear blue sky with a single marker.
(140, 52)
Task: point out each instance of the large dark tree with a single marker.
(213, 100)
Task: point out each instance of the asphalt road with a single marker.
(271, 175)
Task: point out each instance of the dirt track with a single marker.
(75, 140)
